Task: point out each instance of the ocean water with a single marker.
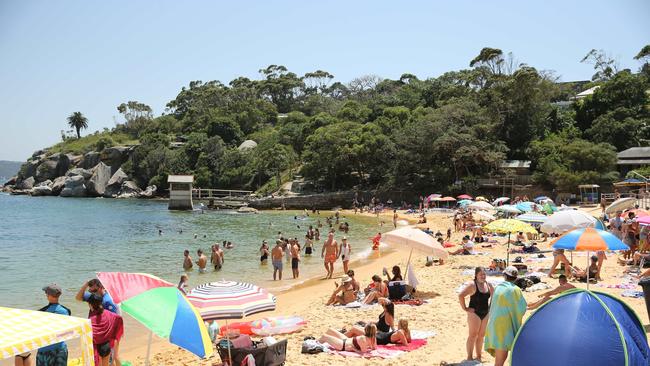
(68, 240)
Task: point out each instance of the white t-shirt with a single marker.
(469, 246)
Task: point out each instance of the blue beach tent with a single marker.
(580, 327)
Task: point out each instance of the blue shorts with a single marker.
(277, 264)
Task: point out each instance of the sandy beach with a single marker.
(441, 312)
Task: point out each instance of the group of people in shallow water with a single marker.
(216, 257)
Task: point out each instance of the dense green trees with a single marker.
(382, 133)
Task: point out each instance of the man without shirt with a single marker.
(187, 261)
(564, 285)
(276, 258)
(295, 258)
(202, 262)
(330, 253)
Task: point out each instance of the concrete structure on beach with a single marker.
(180, 192)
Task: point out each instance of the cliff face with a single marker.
(94, 174)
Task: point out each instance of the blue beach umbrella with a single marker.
(463, 203)
(533, 218)
(541, 198)
(528, 206)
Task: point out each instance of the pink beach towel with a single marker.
(387, 351)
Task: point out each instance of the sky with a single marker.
(58, 57)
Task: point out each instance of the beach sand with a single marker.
(442, 312)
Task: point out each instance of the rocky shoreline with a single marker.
(94, 174)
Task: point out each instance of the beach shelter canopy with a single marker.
(447, 199)
(230, 300)
(508, 209)
(464, 197)
(563, 221)
(509, 226)
(411, 238)
(620, 205)
(481, 205)
(28, 330)
(164, 310)
(582, 327)
(532, 217)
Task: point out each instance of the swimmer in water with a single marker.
(159, 232)
(202, 262)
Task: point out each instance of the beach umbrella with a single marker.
(464, 197)
(500, 200)
(433, 197)
(621, 204)
(563, 221)
(412, 238)
(533, 218)
(637, 213)
(447, 199)
(463, 203)
(481, 205)
(589, 240)
(481, 198)
(549, 208)
(541, 198)
(644, 220)
(508, 209)
(230, 300)
(484, 215)
(564, 207)
(528, 206)
(509, 226)
(160, 307)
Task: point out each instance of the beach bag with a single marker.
(312, 346)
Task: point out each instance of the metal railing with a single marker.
(208, 193)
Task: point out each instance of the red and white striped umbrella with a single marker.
(230, 300)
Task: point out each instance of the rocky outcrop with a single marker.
(115, 156)
(89, 160)
(149, 192)
(115, 184)
(26, 184)
(58, 185)
(46, 170)
(79, 171)
(323, 201)
(96, 185)
(28, 169)
(74, 187)
(129, 189)
(42, 189)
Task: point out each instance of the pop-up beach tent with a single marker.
(580, 327)
(28, 330)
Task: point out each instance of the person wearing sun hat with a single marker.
(55, 354)
(507, 309)
(347, 292)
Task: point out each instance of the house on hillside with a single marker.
(512, 173)
(632, 158)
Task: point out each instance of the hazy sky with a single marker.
(57, 57)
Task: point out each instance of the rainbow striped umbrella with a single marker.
(230, 300)
(589, 239)
(160, 307)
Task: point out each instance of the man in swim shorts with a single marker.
(276, 259)
(295, 258)
(330, 253)
(187, 260)
(202, 262)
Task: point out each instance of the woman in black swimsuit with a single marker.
(479, 293)
(385, 326)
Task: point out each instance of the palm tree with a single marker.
(78, 121)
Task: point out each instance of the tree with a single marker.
(78, 121)
(137, 115)
(281, 87)
(605, 65)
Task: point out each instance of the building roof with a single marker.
(180, 179)
(511, 164)
(587, 92)
(633, 161)
(635, 153)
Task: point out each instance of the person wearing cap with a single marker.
(94, 286)
(507, 309)
(345, 251)
(346, 289)
(55, 354)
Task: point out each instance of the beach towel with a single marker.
(506, 311)
(632, 293)
(107, 327)
(412, 302)
(388, 351)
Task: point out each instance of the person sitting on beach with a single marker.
(479, 293)
(346, 290)
(276, 259)
(564, 285)
(581, 275)
(264, 252)
(355, 283)
(376, 290)
(182, 284)
(187, 260)
(202, 262)
(467, 248)
(397, 274)
(361, 343)
(386, 332)
(559, 257)
(108, 329)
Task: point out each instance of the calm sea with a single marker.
(67, 240)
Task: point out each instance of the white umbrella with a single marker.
(500, 199)
(414, 239)
(481, 205)
(484, 215)
(563, 221)
(621, 204)
(564, 207)
(508, 209)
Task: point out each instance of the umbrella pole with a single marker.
(406, 272)
(146, 360)
(228, 343)
(588, 263)
(508, 251)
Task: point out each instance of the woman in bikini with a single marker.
(361, 343)
(479, 293)
(376, 290)
(386, 332)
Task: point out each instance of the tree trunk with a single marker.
(78, 132)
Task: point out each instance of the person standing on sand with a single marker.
(345, 251)
(479, 306)
(330, 253)
(55, 354)
(187, 261)
(395, 216)
(202, 262)
(506, 311)
(276, 259)
(295, 258)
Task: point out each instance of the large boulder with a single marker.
(115, 156)
(41, 190)
(58, 185)
(74, 187)
(74, 159)
(11, 181)
(96, 185)
(115, 183)
(27, 183)
(28, 169)
(149, 192)
(46, 170)
(79, 171)
(89, 160)
(63, 164)
(129, 190)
